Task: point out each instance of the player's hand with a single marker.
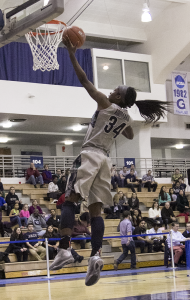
(69, 45)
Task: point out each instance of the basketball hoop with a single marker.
(44, 44)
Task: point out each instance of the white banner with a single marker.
(180, 94)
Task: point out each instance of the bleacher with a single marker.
(111, 247)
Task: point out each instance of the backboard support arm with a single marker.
(20, 8)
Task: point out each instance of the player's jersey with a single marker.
(105, 126)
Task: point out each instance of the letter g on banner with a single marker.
(180, 104)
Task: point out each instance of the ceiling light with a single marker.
(179, 146)
(7, 124)
(68, 142)
(77, 127)
(46, 2)
(3, 140)
(105, 67)
(146, 16)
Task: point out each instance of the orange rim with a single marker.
(55, 22)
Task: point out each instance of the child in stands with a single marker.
(24, 213)
(15, 216)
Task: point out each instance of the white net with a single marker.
(44, 44)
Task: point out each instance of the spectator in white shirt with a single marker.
(53, 189)
(177, 238)
(122, 175)
(154, 212)
(158, 240)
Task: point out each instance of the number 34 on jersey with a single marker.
(111, 126)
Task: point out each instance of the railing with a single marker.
(16, 165)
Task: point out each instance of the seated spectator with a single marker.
(131, 182)
(133, 202)
(120, 203)
(165, 197)
(178, 247)
(132, 168)
(11, 200)
(176, 188)
(67, 174)
(176, 176)
(136, 217)
(46, 174)
(143, 241)
(3, 204)
(183, 205)
(4, 256)
(1, 225)
(52, 245)
(186, 233)
(35, 206)
(15, 217)
(33, 176)
(154, 212)
(127, 243)
(158, 240)
(122, 175)
(109, 213)
(114, 178)
(54, 220)
(167, 214)
(84, 207)
(80, 229)
(149, 182)
(58, 174)
(182, 184)
(36, 249)
(2, 189)
(62, 182)
(19, 249)
(60, 201)
(53, 190)
(38, 222)
(172, 195)
(24, 213)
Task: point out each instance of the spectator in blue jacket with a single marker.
(3, 204)
(46, 174)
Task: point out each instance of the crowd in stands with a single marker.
(39, 224)
(129, 178)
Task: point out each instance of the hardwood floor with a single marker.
(149, 285)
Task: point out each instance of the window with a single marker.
(137, 75)
(109, 73)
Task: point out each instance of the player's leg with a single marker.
(95, 263)
(81, 179)
(99, 194)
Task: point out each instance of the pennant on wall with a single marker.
(180, 94)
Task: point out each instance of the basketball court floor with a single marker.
(143, 284)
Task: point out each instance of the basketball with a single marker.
(75, 34)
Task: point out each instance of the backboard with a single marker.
(21, 16)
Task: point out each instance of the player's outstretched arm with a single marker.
(128, 133)
(99, 97)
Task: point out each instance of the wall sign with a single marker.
(129, 161)
(180, 94)
(37, 160)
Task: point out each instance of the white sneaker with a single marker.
(95, 265)
(63, 257)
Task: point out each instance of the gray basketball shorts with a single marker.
(91, 177)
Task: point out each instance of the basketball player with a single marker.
(91, 172)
